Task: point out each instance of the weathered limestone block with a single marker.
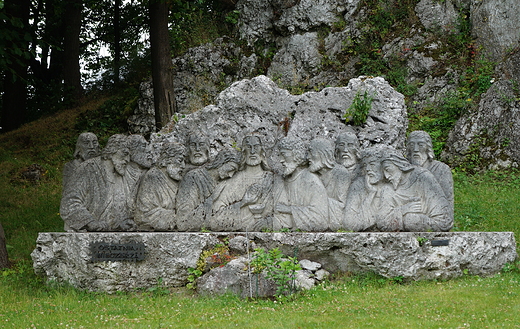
(67, 257)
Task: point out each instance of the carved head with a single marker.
(226, 163)
(172, 158)
(198, 149)
(87, 147)
(419, 147)
(117, 151)
(253, 150)
(139, 152)
(394, 165)
(347, 149)
(371, 159)
(321, 154)
(293, 154)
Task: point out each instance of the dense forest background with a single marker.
(54, 53)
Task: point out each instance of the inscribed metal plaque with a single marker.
(436, 243)
(117, 252)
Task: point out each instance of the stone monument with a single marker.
(258, 163)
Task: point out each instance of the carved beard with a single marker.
(418, 158)
(289, 168)
(253, 161)
(348, 159)
(198, 158)
(174, 172)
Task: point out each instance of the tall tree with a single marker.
(71, 48)
(162, 71)
(15, 38)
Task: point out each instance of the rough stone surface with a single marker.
(297, 59)
(65, 257)
(496, 25)
(437, 15)
(310, 266)
(493, 130)
(258, 105)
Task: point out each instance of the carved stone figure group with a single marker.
(323, 185)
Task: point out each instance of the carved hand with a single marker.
(283, 208)
(414, 206)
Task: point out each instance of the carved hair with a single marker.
(83, 137)
(225, 156)
(135, 141)
(115, 143)
(170, 150)
(420, 134)
(325, 150)
(297, 146)
(398, 160)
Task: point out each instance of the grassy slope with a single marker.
(484, 202)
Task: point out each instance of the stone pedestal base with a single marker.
(126, 261)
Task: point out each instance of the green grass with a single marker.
(485, 202)
(349, 302)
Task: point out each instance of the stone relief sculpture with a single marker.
(335, 178)
(157, 191)
(301, 201)
(244, 201)
(195, 196)
(412, 199)
(99, 200)
(419, 149)
(321, 185)
(87, 147)
(364, 195)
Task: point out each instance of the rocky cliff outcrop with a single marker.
(425, 54)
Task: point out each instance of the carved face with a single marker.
(373, 170)
(227, 170)
(175, 167)
(253, 151)
(417, 148)
(346, 151)
(315, 161)
(288, 160)
(392, 173)
(120, 160)
(198, 151)
(141, 155)
(88, 146)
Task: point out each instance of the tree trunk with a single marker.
(117, 40)
(162, 73)
(14, 105)
(71, 69)
(4, 259)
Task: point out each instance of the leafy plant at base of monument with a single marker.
(278, 267)
(217, 256)
(194, 274)
(357, 112)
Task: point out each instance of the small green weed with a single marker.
(279, 268)
(357, 113)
